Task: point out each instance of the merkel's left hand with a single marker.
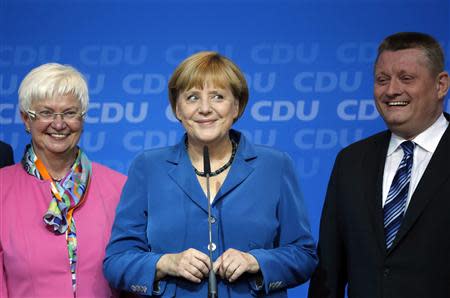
(233, 263)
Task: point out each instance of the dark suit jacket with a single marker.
(352, 244)
(6, 155)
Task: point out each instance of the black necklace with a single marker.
(222, 168)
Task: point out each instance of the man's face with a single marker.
(407, 94)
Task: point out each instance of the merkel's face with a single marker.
(207, 114)
(407, 95)
(55, 136)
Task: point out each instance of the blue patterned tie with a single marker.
(395, 205)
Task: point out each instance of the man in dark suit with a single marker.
(6, 155)
(385, 227)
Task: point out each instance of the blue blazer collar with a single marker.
(182, 173)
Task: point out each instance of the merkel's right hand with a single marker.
(190, 264)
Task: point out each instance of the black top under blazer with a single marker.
(6, 155)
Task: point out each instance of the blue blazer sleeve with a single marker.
(129, 264)
(294, 259)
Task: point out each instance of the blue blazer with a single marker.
(259, 209)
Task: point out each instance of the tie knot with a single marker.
(408, 147)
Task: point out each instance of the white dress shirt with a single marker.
(426, 144)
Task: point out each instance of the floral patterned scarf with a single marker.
(67, 195)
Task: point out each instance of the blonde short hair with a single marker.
(52, 79)
(212, 67)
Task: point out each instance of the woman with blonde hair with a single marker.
(261, 242)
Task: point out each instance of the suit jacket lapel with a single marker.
(238, 173)
(434, 176)
(373, 184)
(184, 176)
(240, 168)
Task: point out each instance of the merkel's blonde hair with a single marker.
(209, 67)
(52, 79)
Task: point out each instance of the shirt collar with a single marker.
(427, 140)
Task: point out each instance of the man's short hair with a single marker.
(416, 40)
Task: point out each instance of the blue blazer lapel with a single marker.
(240, 168)
(239, 171)
(184, 176)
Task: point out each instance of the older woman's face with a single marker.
(207, 114)
(58, 135)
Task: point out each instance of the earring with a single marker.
(27, 130)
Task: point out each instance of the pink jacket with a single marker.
(33, 261)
